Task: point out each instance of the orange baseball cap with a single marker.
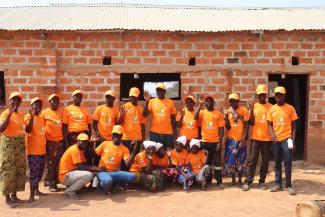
(134, 92)
(117, 129)
(110, 93)
(262, 88)
(76, 92)
(161, 86)
(52, 96)
(280, 89)
(14, 94)
(83, 137)
(233, 96)
(35, 100)
(190, 97)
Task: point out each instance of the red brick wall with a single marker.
(38, 65)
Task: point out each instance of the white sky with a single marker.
(216, 3)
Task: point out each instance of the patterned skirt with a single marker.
(36, 168)
(12, 164)
(235, 158)
(151, 182)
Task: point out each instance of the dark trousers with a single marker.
(54, 151)
(166, 139)
(281, 152)
(256, 148)
(214, 158)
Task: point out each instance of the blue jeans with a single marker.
(281, 152)
(107, 179)
(166, 139)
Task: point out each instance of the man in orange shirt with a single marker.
(73, 170)
(132, 120)
(185, 121)
(76, 120)
(35, 146)
(237, 125)
(212, 128)
(112, 154)
(282, 119)
(163, 125)
(105, 117)
(54, 140)
(260, 138)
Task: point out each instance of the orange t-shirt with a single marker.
(211, 121)
(53, 124)
(112, 155)
(179, 158)
(140, 162)
(71, 157)
(189, 125)
(237, 129)
(160, 162)
(77, 118)
(161, 111)
(197, 161)
(281, 117)
(36, 141)
(260, 130)
(16, 126)
(132, 122)
(106, 118)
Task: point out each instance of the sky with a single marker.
(215, 3)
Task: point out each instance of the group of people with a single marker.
(115, 154)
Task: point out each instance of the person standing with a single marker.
(282, 119)
(54, 140)
(236, 150)
(12, 151)
(212, 129)
(132, 121)
(260, 139)
(35, 146)
(76, 120)
(163, 111)
(185, 121)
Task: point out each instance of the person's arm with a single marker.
(146, 97)
(173, 118)
(129, 161)
(30, 124)
(221, 133)
(227, 122)
(85, 167)
(89, 130)
(65, 134)
(4, 124)
(143, 131)
(294, 130)
(251, 121)
(148, 168)
(245, 137)
(97, 133)
(198, 109)
(179, 122)
(121, 116)
(269, 123)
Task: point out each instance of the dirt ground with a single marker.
(309, 181)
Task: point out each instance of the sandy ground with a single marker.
(309, 181)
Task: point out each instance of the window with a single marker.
(2, 90)
(148, 82)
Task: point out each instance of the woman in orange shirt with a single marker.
(12, 151)
(161, 161)
(76, 120)
(35, 146)
(237, 125)
(54, 140)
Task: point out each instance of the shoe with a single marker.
(221, 186)
(245, 187)
(291, 191)
(276, 189)
(262, 186)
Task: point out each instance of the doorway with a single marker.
(296, 86)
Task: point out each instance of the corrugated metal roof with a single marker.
(159, 18)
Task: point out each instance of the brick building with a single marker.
(60, 48)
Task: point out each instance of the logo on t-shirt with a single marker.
(280, 119)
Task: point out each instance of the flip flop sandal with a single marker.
(276, 189)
